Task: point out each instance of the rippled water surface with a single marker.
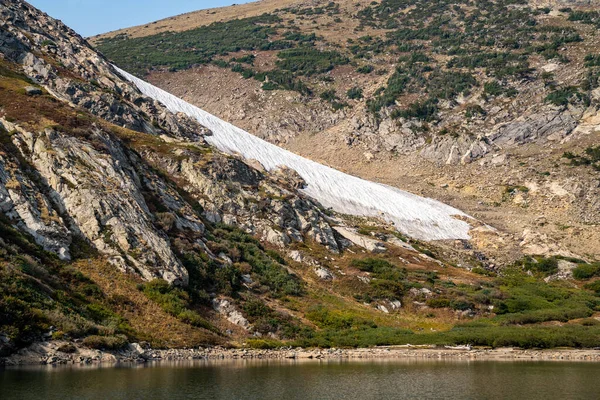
(390, 379)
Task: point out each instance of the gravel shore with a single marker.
(48, 353)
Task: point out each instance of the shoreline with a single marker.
(48, 353)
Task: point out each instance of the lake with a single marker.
(380, 379)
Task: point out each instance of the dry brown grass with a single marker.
(33, 112)
(195, 19)
(146, 317)
(199, 18)
(338, 295)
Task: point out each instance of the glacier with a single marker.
(416, 216)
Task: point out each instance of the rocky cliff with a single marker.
(88, 183)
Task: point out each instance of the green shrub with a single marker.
(388, 280)
(276, 256)
(546, 266)
(438, 302)
(594, 286)
(67, 348)
(539, 316)
(247, 59)
(309, 61)
(477, 334)
(590, 322)
(328, 95)
(355, 93)
(461, 305)
(266, 320)
(365, 69)
(448, 85)
(567, 95)
(300, 37)
(493, 88)
(586, 271)
(586, 17)
(281, 80)
(256, 309)
(337, 320)
(423, 110)
(378, 267)
(500, 65)
(264, 268)
(38, 291)
(483, 271)
(182, 50)
(174, 301)
(592, 60)
(590, 157)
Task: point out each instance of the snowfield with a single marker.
(415, 216)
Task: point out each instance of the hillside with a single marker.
(481, 106)
(130, 216)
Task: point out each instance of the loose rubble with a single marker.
(47, 353)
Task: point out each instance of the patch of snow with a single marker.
(418, 217)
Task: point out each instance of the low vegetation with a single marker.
(39, 292)
(590, 157)
(519, 304)
(185, 49)
(309, 61)
(491, 336)
(488, 46)
(174, 301)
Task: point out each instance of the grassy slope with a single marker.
(459, 51)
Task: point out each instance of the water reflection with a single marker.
(307, 379)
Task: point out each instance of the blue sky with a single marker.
(90, 17)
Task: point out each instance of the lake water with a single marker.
(288, 380)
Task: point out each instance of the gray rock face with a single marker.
(555, 124)
(228, 310)
(448, 150)
(323, 273)
(231, 191)
(60, 184)
(89, 192)
(96, 188)
(372, 245)
(23, 202)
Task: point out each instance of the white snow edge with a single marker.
(418, 217)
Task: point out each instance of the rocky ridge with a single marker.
(108, 208)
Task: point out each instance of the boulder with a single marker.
(33, 91)
(372, 245)
(228, 310)
(323, 273)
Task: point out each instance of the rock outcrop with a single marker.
(85, 181)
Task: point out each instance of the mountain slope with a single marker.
(121, 221)
(476, 105)
(416, 217)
